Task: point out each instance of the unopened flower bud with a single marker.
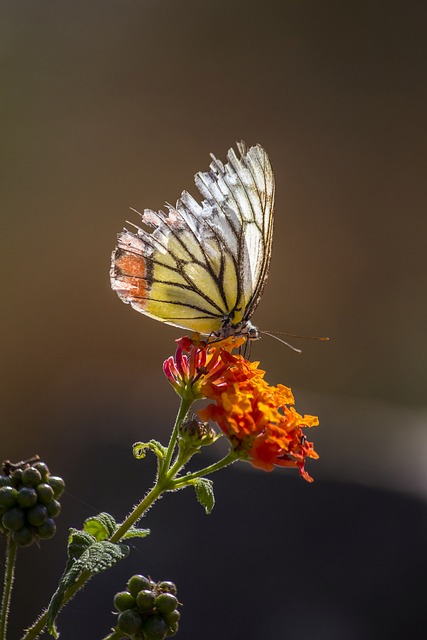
(196, 433)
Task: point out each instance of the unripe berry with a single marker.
(13, 519)
(8, 497)
(137, 583)
(27, 497)
(129, 621)
(58, 485)
(43, 469)
(53, 508)
(47, 529)
(155, 628)
(145, 601)
(37, 515)
(31, 477)
(166, 603)
(45, 493)
(17, 477)
(172, 618)
(124, 600)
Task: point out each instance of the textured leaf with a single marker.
(101, 556)
(204, 493)
(101, 526)
(134, 532)
(97, 557)
(78, 541)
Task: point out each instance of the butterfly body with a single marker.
(203, 267)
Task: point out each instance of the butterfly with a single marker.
(203, 267)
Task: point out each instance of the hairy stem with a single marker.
(9, 575)
(138, 512)
(180, 483)
(184, 408)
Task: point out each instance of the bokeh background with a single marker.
(112, 104)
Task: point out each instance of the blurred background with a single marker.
(115, 104)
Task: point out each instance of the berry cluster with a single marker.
(29, 501)
(148, 610)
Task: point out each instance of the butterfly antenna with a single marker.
(294, 335)
(267, 333)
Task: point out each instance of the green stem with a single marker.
(139, 510)
(184, 408)
(35, 630)
(179, 483)
(9, 575)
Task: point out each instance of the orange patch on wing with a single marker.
(129, 264)
(131, 271)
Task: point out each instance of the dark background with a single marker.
(111, 104)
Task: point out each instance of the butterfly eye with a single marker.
(253, 333)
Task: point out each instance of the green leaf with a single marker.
(101, 527)
(78, 542)
(102, 556)
(140, 449)
(98, 556)
(204, 493)
(134, 532)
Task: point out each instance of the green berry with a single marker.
(45, 493)
(37, 515)
(8, 497)
(47, 529)
(166, 603)
(58, 485)
(5, 481)
(172, 618)
(145, 601)
(53, 508)
(129, 621)
(43, 469)
(31, 477)
(13, 519)
(27, 497)
(124, 600)
(137, 583)
(23, 537)
(17, 478)
(155, 628)
(167, 587)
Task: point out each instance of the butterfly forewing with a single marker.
(204, 265)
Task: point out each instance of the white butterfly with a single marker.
(204, 266)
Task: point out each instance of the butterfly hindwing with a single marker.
(203, 264)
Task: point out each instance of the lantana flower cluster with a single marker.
(258, 419)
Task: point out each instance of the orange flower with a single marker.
(195, 364)
(258, 419)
